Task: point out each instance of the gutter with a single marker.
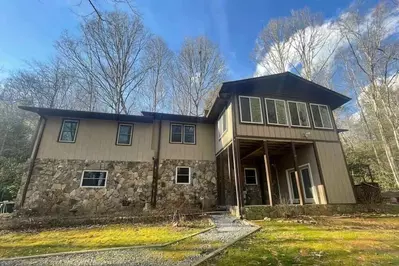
(32, 159)
(155, 171)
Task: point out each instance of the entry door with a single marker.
(307, 183)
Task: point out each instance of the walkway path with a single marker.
(185, 252)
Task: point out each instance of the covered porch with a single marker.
(269, 172)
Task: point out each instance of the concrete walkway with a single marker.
(188, 251)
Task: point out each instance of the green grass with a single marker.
(14, 244)
(332, 241)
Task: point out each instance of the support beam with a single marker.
(316, 154)
(298, 180)
(237, 174)
(252, 153)
(268, 172)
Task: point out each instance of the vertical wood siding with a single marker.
(96, 141)
(204, 149)
(228, 136)
(336, 178)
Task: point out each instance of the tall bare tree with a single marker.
(197, 71)
(155, 88)
(111, 52)
(374, 59)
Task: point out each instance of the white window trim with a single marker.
(329, 115)
(184, 133)
(189, 175)
(221, 124)
(250, 109)
(307, 113)
(275, 109)
(290, 187)
(256, 176)
(62, 130)
(103, 171)
(171, 133)
(131, 135)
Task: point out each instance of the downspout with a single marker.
(32, 159)
(156, 167)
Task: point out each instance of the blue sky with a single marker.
(28, 31)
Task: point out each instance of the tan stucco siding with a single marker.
(336, 178)
(203, 149)
(226, 138)
(285, 132)
(96, 141)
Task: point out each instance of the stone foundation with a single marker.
(201, 194)
(55, 188)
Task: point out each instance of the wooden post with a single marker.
(237, 166)
(298, 180)
(268, 171)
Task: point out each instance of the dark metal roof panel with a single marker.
(178, 118)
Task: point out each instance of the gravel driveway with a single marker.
(227, 229)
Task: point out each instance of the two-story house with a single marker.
(267, 140)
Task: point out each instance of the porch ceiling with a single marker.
(254, 148)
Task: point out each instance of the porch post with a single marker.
(237, 174)
(268, 171)
(298, 180)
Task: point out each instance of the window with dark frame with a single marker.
(68, 131)
(94, 178)
(181, 133)
(250, 176)
(183, 175)
(298, 114)
(251, 110)
(321, 116)
(124, 134)
(276, 112)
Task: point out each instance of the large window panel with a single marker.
(189, 134)
(251, 110)
(321, 116)
(124, 134)
(276, 112)
(298, 114)
(69, 130)
(222, 124)
(176, 133)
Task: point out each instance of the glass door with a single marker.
(307, 183)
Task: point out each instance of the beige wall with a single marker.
(96, 141)
(228, 135)
(204, 149)
(336, 178)
(305, 155)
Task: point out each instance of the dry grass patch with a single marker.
(27, 243)
(331, 241)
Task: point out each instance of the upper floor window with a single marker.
(251, 110)
(298, 114)
(68, 132)
(124, 134)
(276, 112)
(222, 124)
(321, 116)
(180, 133)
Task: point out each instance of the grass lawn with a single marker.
(13, 244)
(331, 241)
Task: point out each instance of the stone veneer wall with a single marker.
(200, 194)
(55, 187)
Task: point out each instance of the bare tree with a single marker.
(155, 89)
(197, 71)
(375, 59)
(45, 84)
(111, 52)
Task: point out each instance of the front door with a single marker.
(305, 176)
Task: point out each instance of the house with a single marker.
(267, 140)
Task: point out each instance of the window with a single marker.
(183, 175)
(321, 116)
(68, 132)
(124, 134)
(298, 114)
(94, 178)
(222, 124)
(251, 110)
(276, 112)
(180, 133)
(250, 176)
